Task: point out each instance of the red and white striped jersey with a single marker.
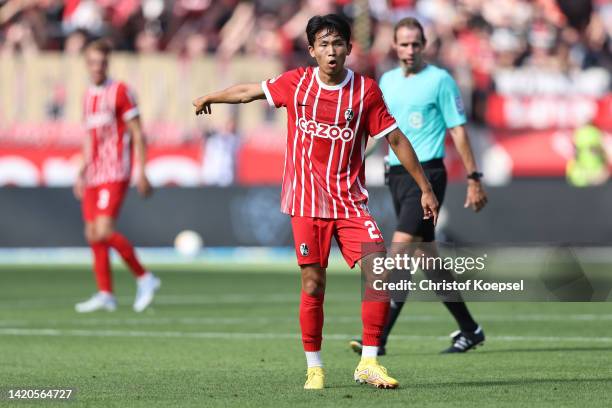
(106, 110)
(328, 128)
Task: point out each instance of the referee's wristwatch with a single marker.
(475, 175)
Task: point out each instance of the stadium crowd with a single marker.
(472, 38)
(551, 49)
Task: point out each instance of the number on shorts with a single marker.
(372, 228)
(103, 199)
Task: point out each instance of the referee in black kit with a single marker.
(426, 102)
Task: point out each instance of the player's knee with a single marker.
(90, 233)
(313, 281)
(90, 236)
(404, 238)
(313, 287)
(104, 233)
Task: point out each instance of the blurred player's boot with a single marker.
(315, 379)
(147, 285)
(370, 372)
(464, 341)
(99, 301)
(357, 345)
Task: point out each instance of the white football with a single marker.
(188, 243)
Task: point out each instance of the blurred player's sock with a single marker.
(126, 250)
(311, 321)
(369, 351)
(99, 301)
(102, 267)
(147, 285)
(374, 312)
(462, 315)
(313, 359)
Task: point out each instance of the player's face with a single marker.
(97, 65)
(330, 51)
(409, 47)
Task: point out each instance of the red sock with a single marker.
(126, 250)
(311, 321)
(102, 267)
(374, 312)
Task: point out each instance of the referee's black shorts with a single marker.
(407, 198)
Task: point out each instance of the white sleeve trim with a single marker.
(264, 86)
(386, 131)
(131, 114)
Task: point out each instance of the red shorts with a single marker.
(103, 199)
(356, 237)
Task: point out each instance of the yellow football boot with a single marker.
(315, 379)
(370, 372)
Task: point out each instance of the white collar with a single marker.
(347, 78)
(100, 88)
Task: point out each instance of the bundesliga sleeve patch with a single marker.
(459, 105)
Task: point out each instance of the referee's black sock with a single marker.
(394, 310)
(462, 315)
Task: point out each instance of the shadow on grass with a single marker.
(545, 350)
(524, 381)
(400, 354)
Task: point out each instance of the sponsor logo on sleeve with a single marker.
(459, 105)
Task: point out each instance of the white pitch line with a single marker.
(264, 336)
(204, 299)
(91, 321)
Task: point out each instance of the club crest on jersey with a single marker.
(348, 114)
(312, 128)
(304, 249)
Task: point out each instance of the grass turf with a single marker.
(230, 337)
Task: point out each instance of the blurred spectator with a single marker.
(219, 161)
(147, 41)
(75, 42)
(479, 41)
(589, 166)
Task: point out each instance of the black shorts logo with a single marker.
(304, 249)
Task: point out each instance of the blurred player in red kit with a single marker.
(331, 113)
(113, 129)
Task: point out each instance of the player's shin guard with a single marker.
(311, 321)
(126, 250)
(102, 267)
(374, 310)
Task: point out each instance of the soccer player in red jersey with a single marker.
(331, 112)
(113, 130)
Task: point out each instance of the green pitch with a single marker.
(229, 336)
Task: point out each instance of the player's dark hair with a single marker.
(412, 23)
(101, 45)
(332, 23)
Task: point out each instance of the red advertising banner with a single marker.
(548, 111)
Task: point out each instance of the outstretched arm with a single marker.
(406, 155)
(476, 197)
(241, 93)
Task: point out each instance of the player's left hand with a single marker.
(430, 205)
(476, 197)
(202, 106)
(144, 187)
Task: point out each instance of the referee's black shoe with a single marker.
(357, 346)
(465, 341)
